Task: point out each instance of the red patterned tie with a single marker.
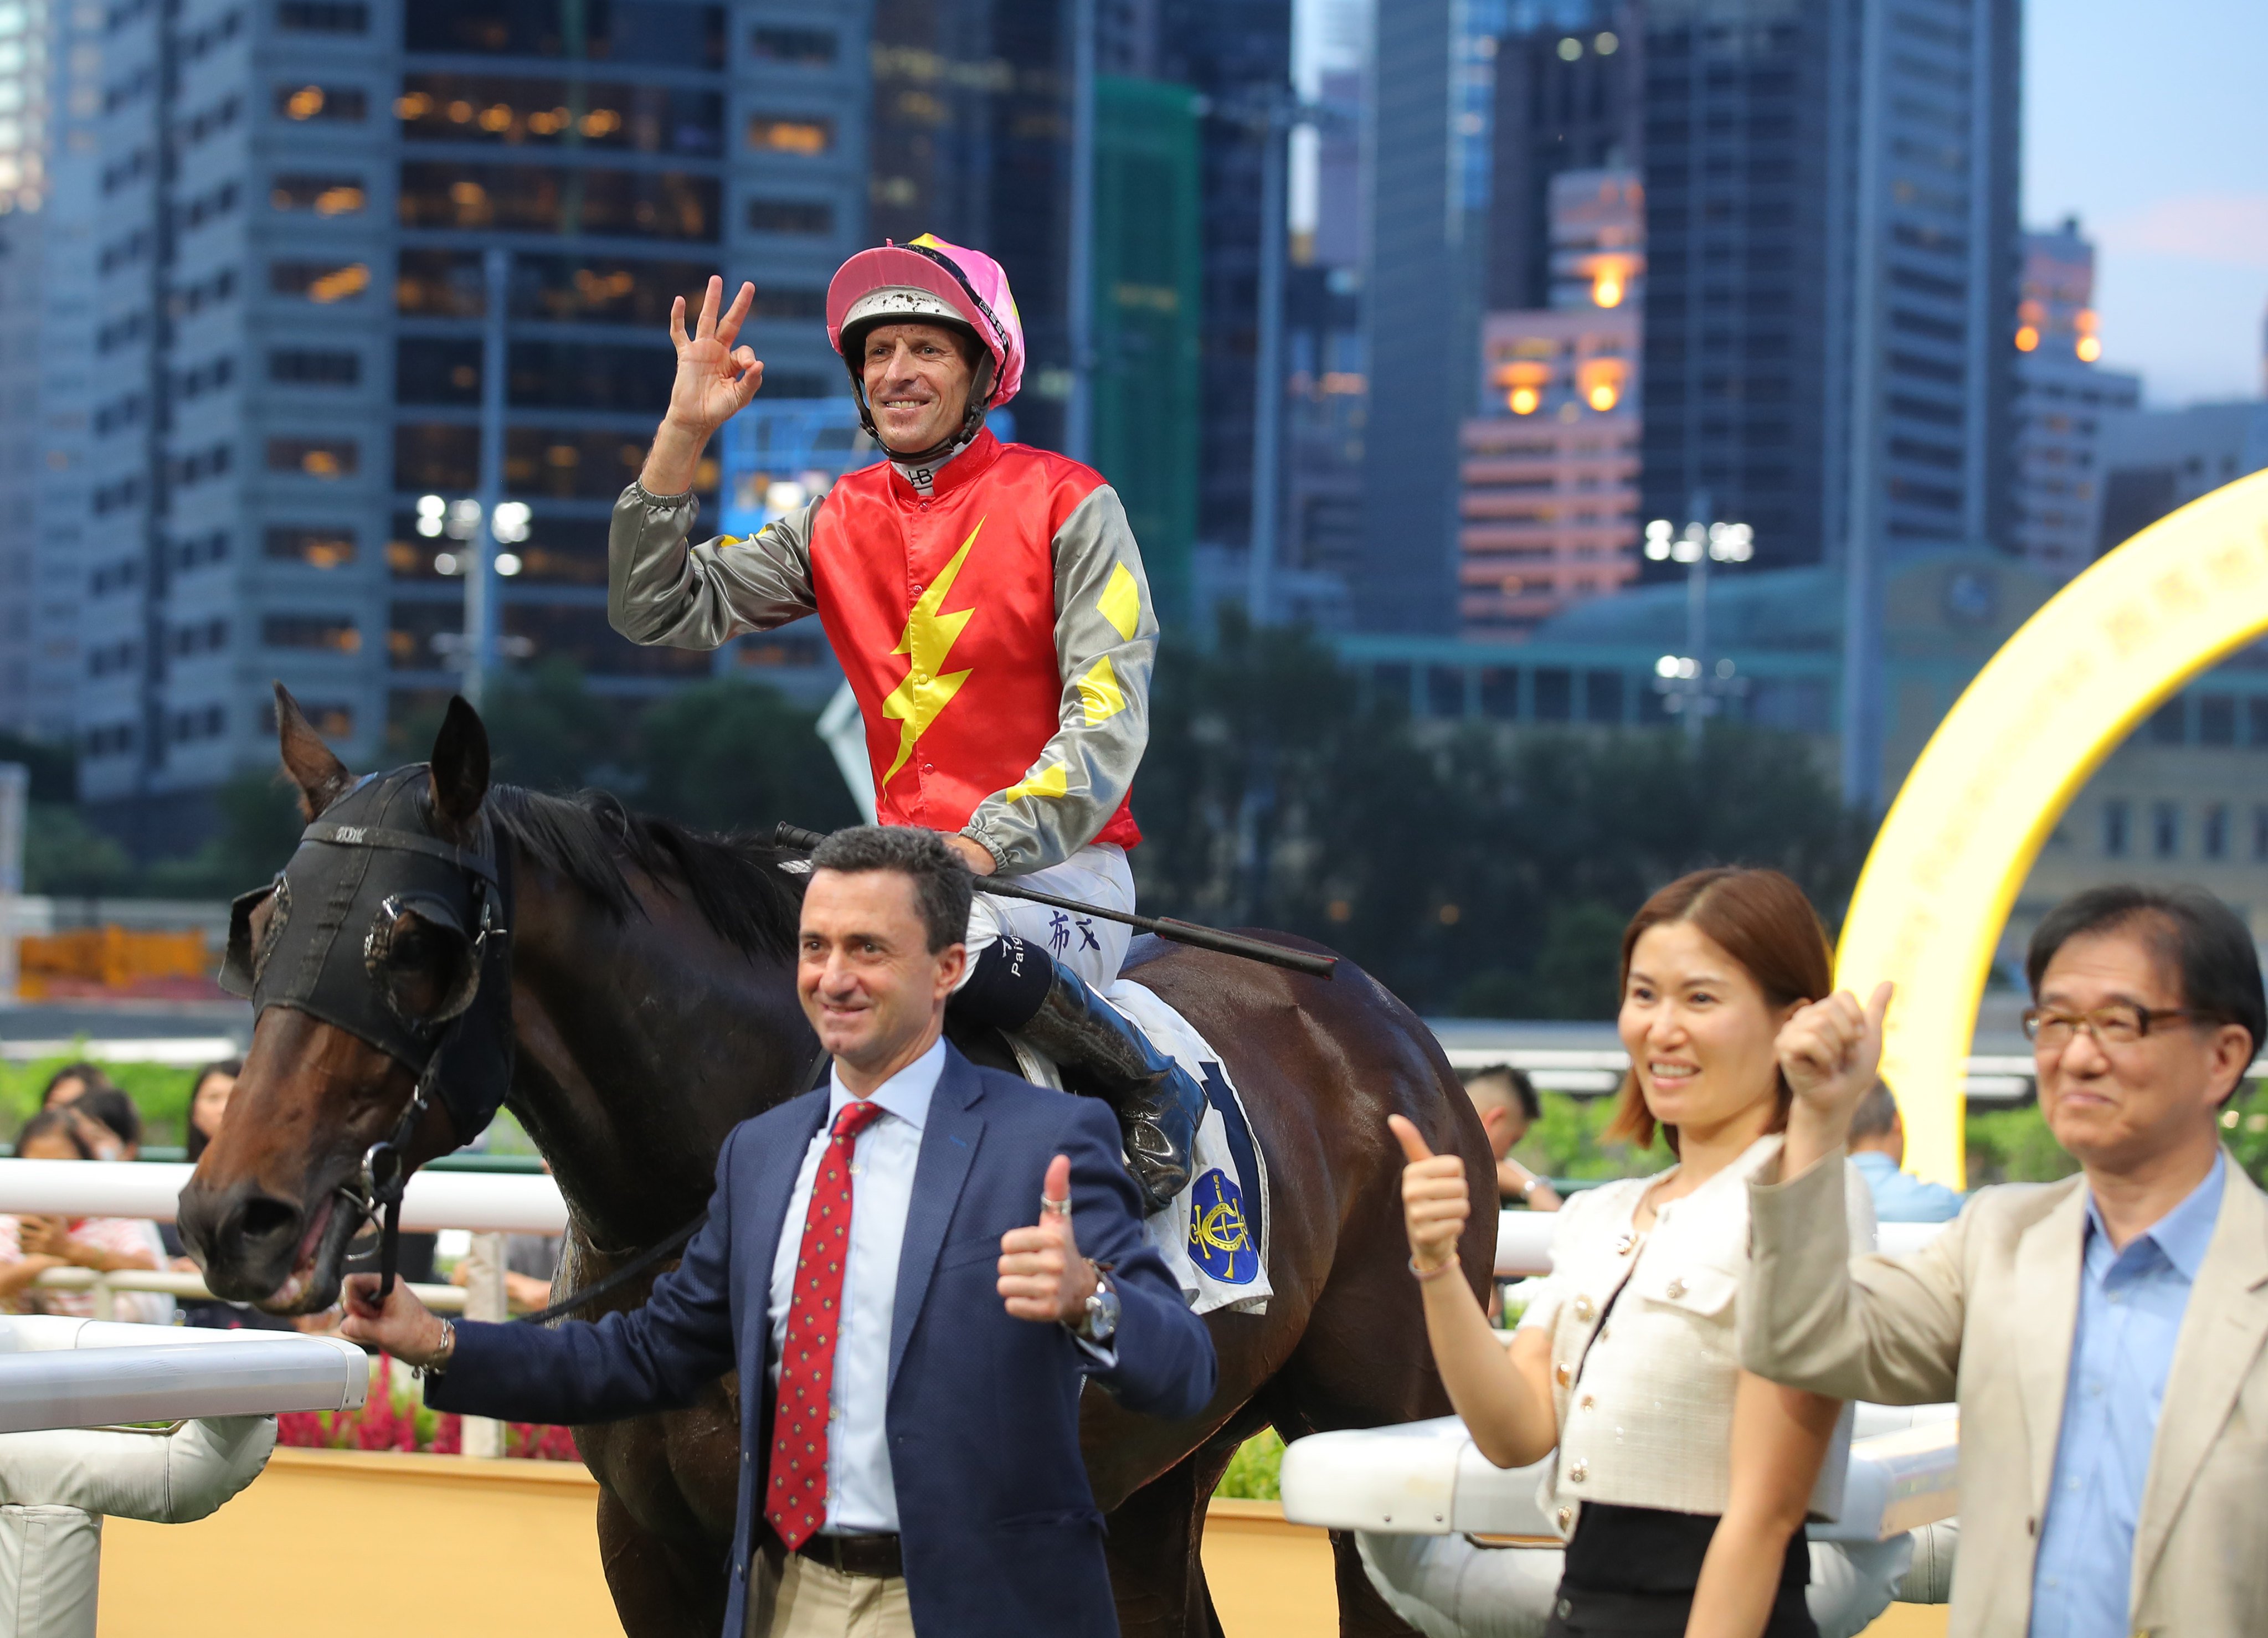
(795, 1494)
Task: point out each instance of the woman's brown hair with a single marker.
(1764, 921)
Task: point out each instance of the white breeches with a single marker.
(1089, 945)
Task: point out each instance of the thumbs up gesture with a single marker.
(1435, 1202)
(1042, 1276)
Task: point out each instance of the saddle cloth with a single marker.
(1213, 1235)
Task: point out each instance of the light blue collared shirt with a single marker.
(1902, 1199)
(862, 1493)
(2131, 1304)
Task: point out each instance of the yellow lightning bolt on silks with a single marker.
(1054, 780)
(929, 637)
(1121, 602)
(1099, 690)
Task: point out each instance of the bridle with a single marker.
(361, 874)
(462, 1051)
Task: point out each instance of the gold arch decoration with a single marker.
(1989, 788)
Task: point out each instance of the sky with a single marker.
(2148, 119)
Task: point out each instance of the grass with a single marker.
(1255, 1471)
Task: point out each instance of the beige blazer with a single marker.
(1986, 1313)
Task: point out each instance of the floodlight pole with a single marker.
(478, 655)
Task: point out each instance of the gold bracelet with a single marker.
(1434, 1273)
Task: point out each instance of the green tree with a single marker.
(260, 826)
(65, 855)
(1467, 867)
(731, 755)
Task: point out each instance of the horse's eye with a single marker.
(426, 970)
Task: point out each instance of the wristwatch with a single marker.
(1100, 1323)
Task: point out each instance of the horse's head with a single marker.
(368, 957)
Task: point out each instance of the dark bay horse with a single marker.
(653, 1006)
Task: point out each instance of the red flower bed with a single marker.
(395, 1418)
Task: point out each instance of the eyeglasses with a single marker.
(2121, 1024)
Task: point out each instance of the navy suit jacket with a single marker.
(999, 1527)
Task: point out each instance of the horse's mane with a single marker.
(734, 881)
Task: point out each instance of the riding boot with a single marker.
(1017, 986)
(1159, 1103)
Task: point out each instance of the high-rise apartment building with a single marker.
(2154, 461)
(1549, 512)
(2063, 399)
(266, 278)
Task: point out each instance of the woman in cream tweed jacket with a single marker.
(1682, 1482)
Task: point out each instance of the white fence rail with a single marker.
(81, 1373)
(1523, 1241)
(482, 1202)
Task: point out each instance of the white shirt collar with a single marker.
(905, 1094)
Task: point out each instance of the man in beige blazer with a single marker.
(2105, 1335)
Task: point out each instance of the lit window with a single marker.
(2028, 338)
(790, 133)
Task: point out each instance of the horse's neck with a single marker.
(641, 1044)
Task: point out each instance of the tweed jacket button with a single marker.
(1577, 1471)
(1675, 1289)
(1565, 1516)
(1562, 1375)
(1583, 1308)
(1589, 1402)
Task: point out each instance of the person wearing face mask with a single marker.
(988, 605)
(1683, 1483)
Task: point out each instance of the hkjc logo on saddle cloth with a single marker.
(1220, 1241)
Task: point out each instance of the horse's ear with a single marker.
(460, 770)
(322, 777)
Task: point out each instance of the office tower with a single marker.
(1549, 505)
(2064, 397)
(1420, 311)
(1237, 55)
(1146, 385)
(971, 136)
(1831, 204)
(269, 291)
(24, 86)
(1567, 82)
(2155, 461)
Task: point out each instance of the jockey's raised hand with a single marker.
(714, 381)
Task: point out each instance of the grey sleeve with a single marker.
(660, 590)
(1106, 640)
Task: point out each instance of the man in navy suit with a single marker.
(872, 1258)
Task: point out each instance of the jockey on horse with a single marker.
(986, 602)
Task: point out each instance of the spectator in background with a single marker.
(69, 1083)
(209, 1096)
(1505, 1100)
(118, 1116)
(1878, 1149)
(530, 1263)
(29, 1247)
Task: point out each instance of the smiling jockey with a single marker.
(986, 602)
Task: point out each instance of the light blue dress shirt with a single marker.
(2131, 1304)
(861, 1493)
(1899, 1198)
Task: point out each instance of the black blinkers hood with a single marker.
(368, 863)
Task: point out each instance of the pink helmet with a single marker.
(930, 279)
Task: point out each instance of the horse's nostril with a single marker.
(263, 1218)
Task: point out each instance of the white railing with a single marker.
(1523, 1241)
(107, 1287)
(486, 1203)
(81, 1373)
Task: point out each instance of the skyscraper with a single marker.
(24, 89)
(2064, 399)
(1567, 78)
(266, 286)
(1421, 310)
